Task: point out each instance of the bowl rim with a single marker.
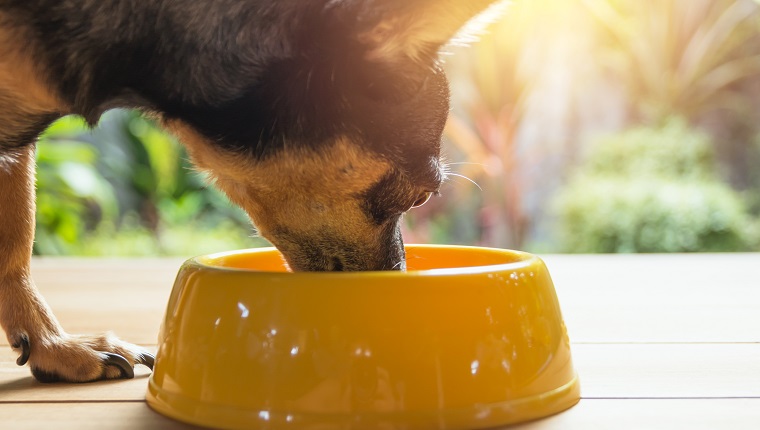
(524, 259)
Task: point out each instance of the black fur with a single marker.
(34, 124)
(382, 202)
(250, 75)
(254, 77)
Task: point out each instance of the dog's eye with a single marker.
(422, 199)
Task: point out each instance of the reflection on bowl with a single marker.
(466, 338)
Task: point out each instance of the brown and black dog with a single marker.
(321, 118)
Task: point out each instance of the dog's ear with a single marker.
(398, 41)
(395, 32)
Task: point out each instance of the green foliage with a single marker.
(72, 194)
(652, 190)
(679, 57)
(669, 152)
(131, 238)
(126, 188)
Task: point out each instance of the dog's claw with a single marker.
(146, 359)
(23, 343)
(127, 372)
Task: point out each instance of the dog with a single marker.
(322, 119)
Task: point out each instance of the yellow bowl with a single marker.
(467, 338)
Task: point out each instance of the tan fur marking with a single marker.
(21, 95)
(305, 192)
(23, 91)
(24, 96)
(22, 309)
(16, 210)
(331, 177)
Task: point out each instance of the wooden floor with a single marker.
(659, 341)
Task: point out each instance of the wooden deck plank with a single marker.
(668, 370)
(659, 298)
(638, 414)
(630, 317)
(604, 298)
(693, 414)
(606, 371)
(127, 297)
(86, 416)
(18, 385)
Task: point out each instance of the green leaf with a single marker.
(67, 127)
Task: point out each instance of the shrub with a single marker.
(652, 190)
(126, 188)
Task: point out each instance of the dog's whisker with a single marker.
(458, 163)
(465, 177)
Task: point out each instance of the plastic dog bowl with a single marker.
(467, 338)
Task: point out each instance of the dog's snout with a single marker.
(320, 253)
(340, 264)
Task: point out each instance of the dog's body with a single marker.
(321, 118)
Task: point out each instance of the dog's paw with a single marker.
(80, 358)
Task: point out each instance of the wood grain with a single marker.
(659, 342)
(127, 297)
(604, 298)
(659, 298)
(18, 385)
(606, 371)
(694, 414)
(668, 370)
(86, 416)
(647, 414)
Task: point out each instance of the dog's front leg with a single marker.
(30, 325)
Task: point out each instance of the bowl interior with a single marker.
(463, 259)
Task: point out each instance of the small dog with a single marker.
(322, 119)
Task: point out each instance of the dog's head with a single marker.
(340, 135)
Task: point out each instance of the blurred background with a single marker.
(589, 126)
